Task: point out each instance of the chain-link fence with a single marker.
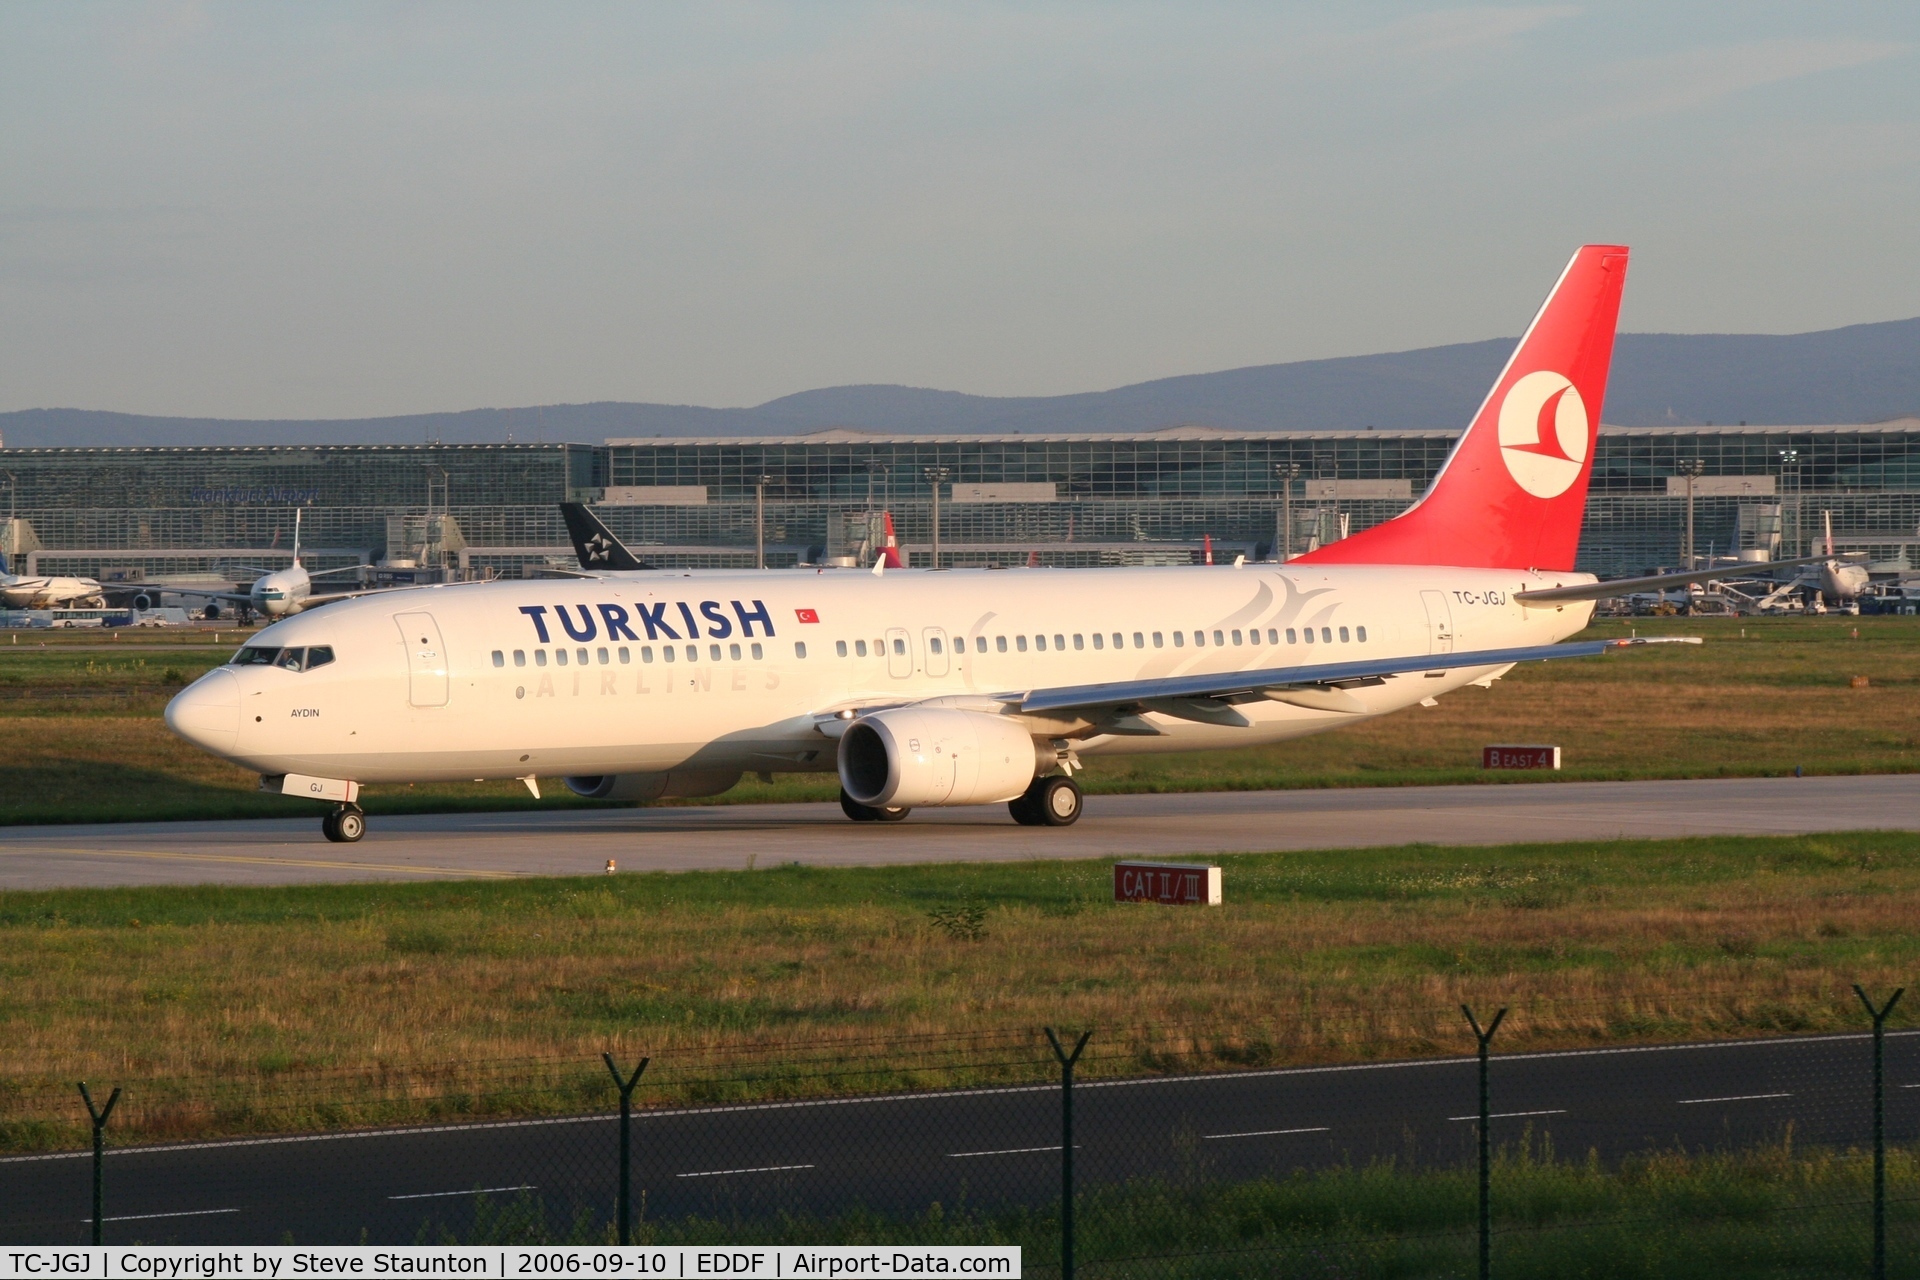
(1117, 1153)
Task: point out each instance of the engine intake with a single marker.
(934, 756)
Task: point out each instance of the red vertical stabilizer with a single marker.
(891, 552)
(1514, 490)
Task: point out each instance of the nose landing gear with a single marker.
(344, 824)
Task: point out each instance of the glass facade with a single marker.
(1130, 498)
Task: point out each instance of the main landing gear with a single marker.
(344, 824)
(1052, 801)
(868, 813)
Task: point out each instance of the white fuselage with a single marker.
(666, 671)
(282, 592)
(46, 593)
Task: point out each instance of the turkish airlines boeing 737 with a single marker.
(949, 686)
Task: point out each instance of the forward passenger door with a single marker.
(427, 683)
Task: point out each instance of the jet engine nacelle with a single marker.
(679, 784)
(934, 756)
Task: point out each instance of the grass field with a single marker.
(84, 741)
(1770, 1213)
(241, 1008)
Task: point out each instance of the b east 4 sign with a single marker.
(1176, 884)
(1520, 757)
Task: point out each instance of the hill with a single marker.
(1861, 373)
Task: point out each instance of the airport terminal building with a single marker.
(1068, 499)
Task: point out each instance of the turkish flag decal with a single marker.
(807, 615)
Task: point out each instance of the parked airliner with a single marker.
(946, 686)
(276, 593)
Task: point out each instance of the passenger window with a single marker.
(560, 656)
(1199, 639)
(670, 653)
(693, 652)
(1020, 643)
(1040, 643)
(1218, 639)
(519, 657)
(1060, 643)
(1179, 639)
(713, 652)
(1291, 638)
(859, 648)
(1236, 637)
(646, 653)
(799, 649)
(899, 645)
(1120, 641)
(1000, 643)
(840, 648)
(499, 658)
(603, 657)
(539, 657)
(1099, 642)
(581, 654)
(980, 644)
(1343, 635)
(1137, 642)
(733, 651)
(626, 656)
(1273, 637)
(1308, 632)
(1326, 634)
(1362, 633)
(319, 656)
(933, 645)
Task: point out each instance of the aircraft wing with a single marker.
(1210, 698)
(204, 593)
(1660, 581)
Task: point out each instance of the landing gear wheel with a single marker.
(344, 825)
(869, 813)
(1049, 802)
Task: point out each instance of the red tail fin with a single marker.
(891, 552)
(1514, 489)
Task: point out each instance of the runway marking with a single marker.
(142, 1217)
(721, 1173)
(243, 859)
(895, 1099)
(477, 1191)
(1265, 1133)
(1739, 1097)
(1008, 1151)
(1509, 1115)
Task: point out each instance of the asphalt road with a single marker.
(901, 1153)
(579, 842)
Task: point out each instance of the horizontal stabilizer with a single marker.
(1614, 587)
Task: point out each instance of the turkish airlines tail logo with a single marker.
(1513, 492)
(1543, 433)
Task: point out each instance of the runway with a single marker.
(980, 1148)
(579, 842)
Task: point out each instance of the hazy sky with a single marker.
(317, 210)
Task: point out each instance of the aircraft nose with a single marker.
(207, 712)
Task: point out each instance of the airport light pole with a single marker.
(760, 484)
(1692, 469)
(1283, 544)
(937, 476)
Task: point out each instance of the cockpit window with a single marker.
(292, 659)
